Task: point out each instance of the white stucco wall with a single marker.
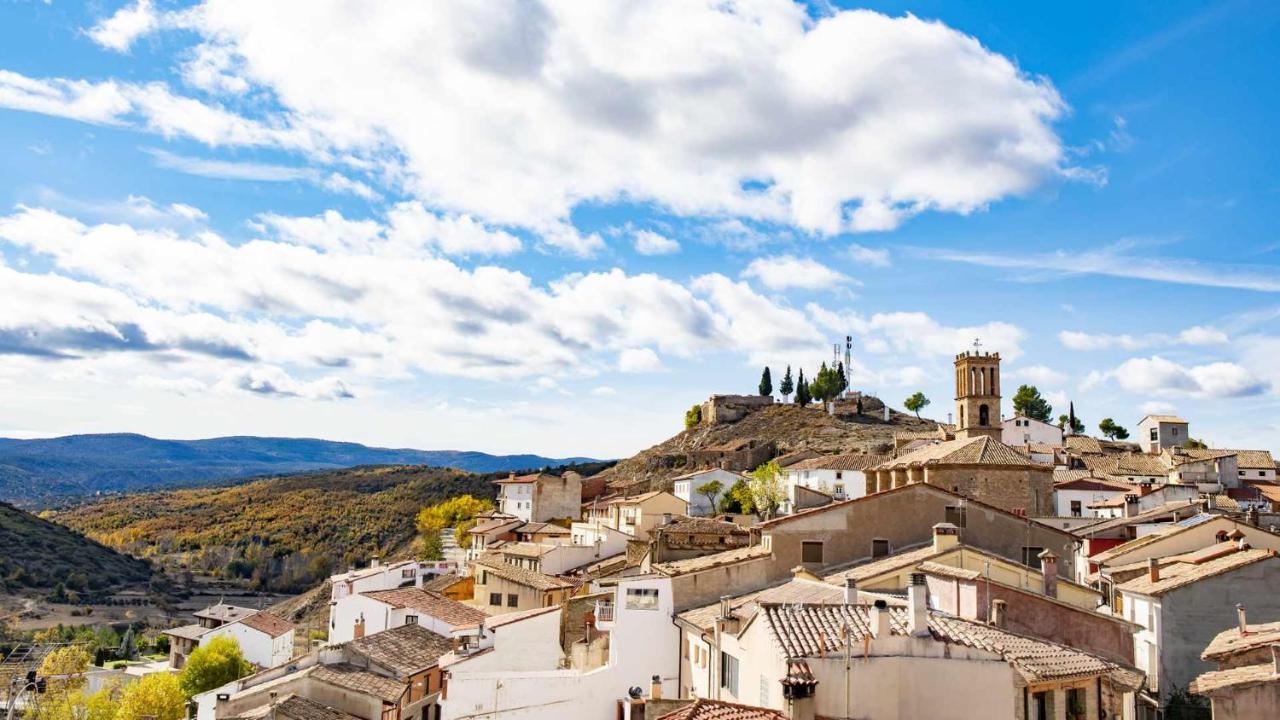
(257, 647)
(687, 489)
(1063, 498)
(1020, 430)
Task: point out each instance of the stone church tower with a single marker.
(978, 395)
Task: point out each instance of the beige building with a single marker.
(982, 468)
(1246, 684)
(640, 514)
(1157, 432)
(541, 497)
(504, 588)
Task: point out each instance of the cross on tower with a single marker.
(977, 344)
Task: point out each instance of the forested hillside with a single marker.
(281, 533)
(39, 555)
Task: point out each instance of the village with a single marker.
(994, 567)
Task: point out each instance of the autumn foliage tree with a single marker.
(157, 695)
(212, 665)
(458, 512)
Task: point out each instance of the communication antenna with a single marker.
(848, 362)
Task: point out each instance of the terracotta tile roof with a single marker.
(1234, 677)
(1181, 574)
(429, 603)
(1230, 642)
(1164, 419)
(1082, 444)
(224, 612)
(489, 526)
(850, 461)
(703, 471)
(707, 562)
(1254, 459)
(802, 631)
(1181, 508)
(1186, 456)
(1094, 483)
(703, 526)
(514, 479)
(969, 451)
(406, 650)
(441, 582)
(875, 568)
(1127, 464)
(520, 576)
(950, 571)
(507, 618)
(1268, 490)
(266, 622)
(294, 707)
(746, 605)
(704, 709)
(542, 528)
(526, 549)
(350, 677)
(1149, 539)
(637, 499)
(188, 632)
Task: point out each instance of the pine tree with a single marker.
(802, 391)
(787, 386)
(844, 377)
(766, 382)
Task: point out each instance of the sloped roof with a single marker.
(429, 603)
(707, 562)
(1234, 677)
(1269, 491)
(1082, 444)
(849, 461)
(801, 631)
(1150, 539)
(637, 499)
(224, 612)
(188, 632)
(542, 528)
(507, 618)
(494, 524)
(519, 575)
(703, 526)
(1253, 459)
(294, 707)
(1127, 464)
(268, 623)
(1181, 574)
(407, 649)
(1094, 483)
(704, 709)
(1180, 506)
(350, 677)
(440, 582)
(1231, 642)
(969, 451)
(1163, 419)
(796, 590)
(874, 568)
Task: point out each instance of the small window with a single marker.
(408, 573)
(955, 515)
(839, 475)
(495, 599)
(1173, 431)
(729, 673)
(410, 619)
(484, 577)
(879, 547)
(513, 600)
(811, 552)
(1031, 556)
(1076, 509)
(1155, 434)
(642, 598)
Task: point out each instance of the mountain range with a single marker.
(49, 471)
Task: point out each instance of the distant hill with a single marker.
(286, 533)
(789, 426)
(40, 472)
(36, 554)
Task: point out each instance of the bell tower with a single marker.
(978, 393)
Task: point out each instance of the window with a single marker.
(1155, 434)
(879, 547)
(410, 619)
(811, 552)
(513, 600)
(984, 415)
(407, 573)
(729, 673)
(839, 488)
(764, 691)
(955, 515)
(839, 475)
(1173, 432)
(1031, 556)
(495, 599)
(642, 598)
(1076, 509)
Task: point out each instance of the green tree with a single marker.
(916, 403)
(844, 376)
(710, 490)
(692, 416)
(128, 646)
(802, 391)
(1076, 428)
(826, 384)
(788, 386)
(1029, 403)
(212, 665)
(767, 489)
(766, 382)
(738, 499)
(158, 695)
(1194, 444)
(1112, 430)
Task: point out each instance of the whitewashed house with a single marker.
(1082, 496)
(1022, 430)
(265, 639)
(686, 488)
(356, 616)
(840, 477)
(378, 576)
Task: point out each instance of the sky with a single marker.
(551, 227)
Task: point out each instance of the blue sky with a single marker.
(551, 227)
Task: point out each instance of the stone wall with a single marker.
(720, 409)
(1027, 490)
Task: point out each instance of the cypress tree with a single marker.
(787, 386)
(766, 382)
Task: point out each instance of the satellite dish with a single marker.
(636, 693)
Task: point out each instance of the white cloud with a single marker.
(1158, 407)
(869, 256)
(1195, 335)
(639, 360)
(1039, 375)
(648, 242)
(517, 112)
(274, 381)
(915, 333)
(782, 272)
(1158, 376)
(229, 170)
(603, 391)
(127, 24)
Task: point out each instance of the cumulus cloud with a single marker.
(639, 360)
(1158, 376)
(917, 333)
(783, 272)
(869, 256)
(1039, 374)
(648, 242)
(518, 112)
(1195, 335)
(274, 381)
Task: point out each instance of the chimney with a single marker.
(666, 519)
(1049, 569)
(880, 619)
(374, 561)
(655, 688)
(1130, 505)
(1153, 569)
(945, 536)
(999, 612)
(850, 591)
(918, 599)
(1242, 620)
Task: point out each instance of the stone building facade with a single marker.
(978, 395)
(720, 409)
(745, 454)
